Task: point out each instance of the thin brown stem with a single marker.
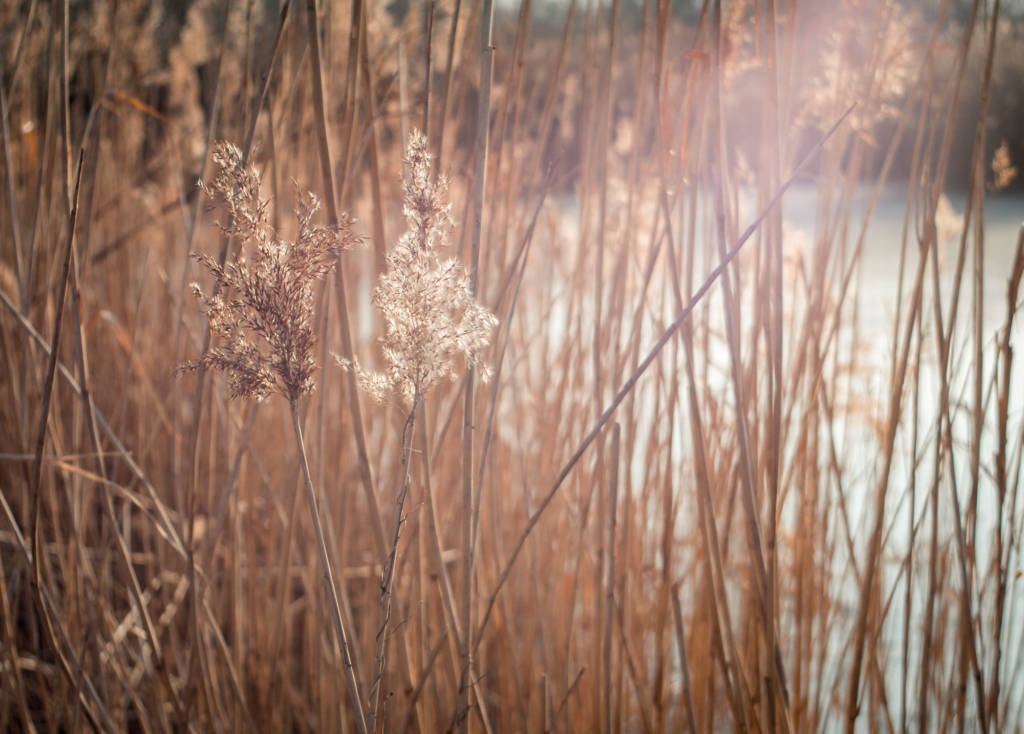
(340, 632)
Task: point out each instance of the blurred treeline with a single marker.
(173, 60)
(911, 26)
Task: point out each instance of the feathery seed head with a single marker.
(430, 314)
(262, 308)
(1002, 167)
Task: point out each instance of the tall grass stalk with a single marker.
(355, 698)
(483, 128)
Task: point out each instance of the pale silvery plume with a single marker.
(262, 308)
(430, 314)
(1002, 168)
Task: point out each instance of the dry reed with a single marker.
(750, 457)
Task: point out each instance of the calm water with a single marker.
(877, 284)
(878, 287)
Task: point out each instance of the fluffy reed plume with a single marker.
(431, 317)
(429, 311)
(262, 308)
(1002, 168)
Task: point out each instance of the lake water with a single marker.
(876, 289)
(1003, 218)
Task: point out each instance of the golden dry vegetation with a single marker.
(587, 437)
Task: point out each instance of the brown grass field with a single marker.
(547, 418)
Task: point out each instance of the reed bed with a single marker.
(602, 442)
